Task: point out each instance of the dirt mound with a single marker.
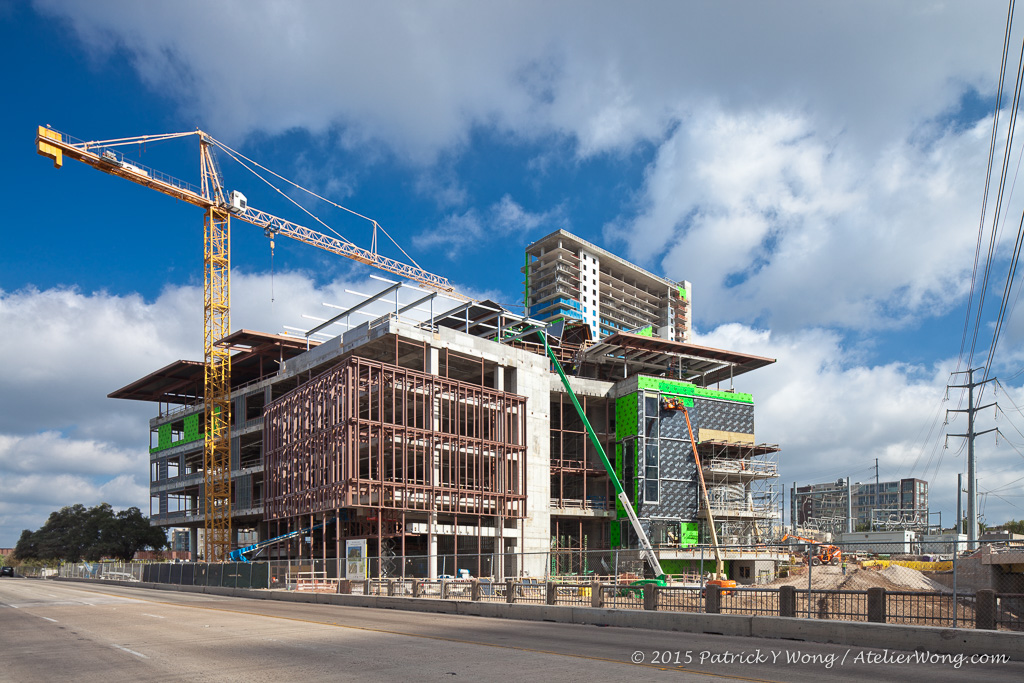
(893, 578)
(824, 577)
(863, 579)
(911, 579)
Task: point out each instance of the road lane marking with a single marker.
(131, 652)
(155, 616)
(429, 637)
(49, 619)
(472, 642)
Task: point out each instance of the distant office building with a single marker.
(179, 540)
(887, 505)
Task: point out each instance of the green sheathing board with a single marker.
(689, 532)
(682, 292)
(679, 388)
(627, 416)
(646, 332)
(192, 427)
(164, 436)
(627, 424)
(190, 433)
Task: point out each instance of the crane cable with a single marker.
(238, 155)
(285, 195)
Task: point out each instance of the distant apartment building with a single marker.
(886, 505)
(570, 278)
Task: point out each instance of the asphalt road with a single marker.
(94, 632)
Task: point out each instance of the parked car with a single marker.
(6, 571)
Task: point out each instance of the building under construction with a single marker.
(438, 431)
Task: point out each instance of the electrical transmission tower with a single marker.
(972, 478)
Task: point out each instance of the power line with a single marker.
(984, 205)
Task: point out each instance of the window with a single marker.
(629, 467)
(651, 482)
(651, 429)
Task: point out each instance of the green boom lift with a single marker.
(645, 543)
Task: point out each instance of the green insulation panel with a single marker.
(164, 436)
(192, 427)
(682, 293)
(627, 416)
(627, 424)
(680, 388)
(190, 433)
(689, 534)
(646, 332)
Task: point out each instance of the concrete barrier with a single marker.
(687, 622)
(891, 636)
(858, 633)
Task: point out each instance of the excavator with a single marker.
(826, 554)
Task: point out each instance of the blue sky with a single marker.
(815, 171)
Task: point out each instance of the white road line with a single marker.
(49, 619)
(155, 616)
(133, 652)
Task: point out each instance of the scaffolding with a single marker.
(393, 452)
(744, 501)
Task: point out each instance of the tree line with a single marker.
(78, 533)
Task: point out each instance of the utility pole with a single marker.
(972, 490)
(959, 505)
(849, 506)
(875, 506)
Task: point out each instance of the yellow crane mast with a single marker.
(217, 289)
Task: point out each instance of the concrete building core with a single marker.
(451, 446)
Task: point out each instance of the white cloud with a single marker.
(832, 413)
(420, 77)
(470, 231)
(52, 451)
(61, 440)
(800, 181)
(757, 207)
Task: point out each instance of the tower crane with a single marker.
(219, 208)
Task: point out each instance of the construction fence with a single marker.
(984, 609)
(978, 589)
